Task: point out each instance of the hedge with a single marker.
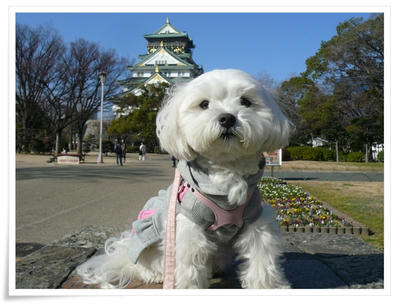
(132, 149)
(380, 156)
(354, 157)
(309, 153)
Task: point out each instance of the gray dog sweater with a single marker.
(150, 225)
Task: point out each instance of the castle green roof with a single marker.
(169, 59)
(149, 56)
(169, 35)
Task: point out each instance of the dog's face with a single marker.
(222, 115)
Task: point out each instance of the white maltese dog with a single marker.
(217, 126)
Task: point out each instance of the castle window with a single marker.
(161, 62)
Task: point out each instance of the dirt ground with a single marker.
(352, 188)
(328, 166)
(41, 160)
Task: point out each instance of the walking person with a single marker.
(142, 152)
(118, 151)
(124, 149)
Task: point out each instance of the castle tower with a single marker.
(168, 59)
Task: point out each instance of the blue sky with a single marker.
(274, 43)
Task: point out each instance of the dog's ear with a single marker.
(280, 127)
(168, 130)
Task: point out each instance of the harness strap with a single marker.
(222, 217)
(170, 239)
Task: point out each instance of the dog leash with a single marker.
(170, 238)
(222, 217)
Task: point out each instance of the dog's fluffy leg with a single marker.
(193, 255)
(259, 246)
(114, 269)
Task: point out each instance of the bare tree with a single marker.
(286, 101)
(60, 109)
(58, 87)
(37, 53)
(84, 61)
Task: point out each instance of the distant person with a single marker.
(118, 151)
(173, 161)
(142, 152)
(124, 149)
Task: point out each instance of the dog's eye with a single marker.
(245, 102)
(204, 104)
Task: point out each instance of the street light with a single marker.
(102, 76)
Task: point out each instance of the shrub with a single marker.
(309, 153)
(299, 152)
(354, 157)
(107, 146)
(322, 154)
(285, 155)
(329, 154)
(157, 149)
(381, 156)
(131, 149)
(342, 156)
(317, 154)
(37, 146)
(135, 148)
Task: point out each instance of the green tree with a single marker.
(140, 122)
(349, 68)
(288, 95)
(322, 117)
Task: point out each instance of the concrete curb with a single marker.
(329, 230)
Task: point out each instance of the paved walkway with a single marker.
(54, 200)
(64, 214)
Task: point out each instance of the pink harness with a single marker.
(222, 217)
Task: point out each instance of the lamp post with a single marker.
(102, 76)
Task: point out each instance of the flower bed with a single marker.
(299, 211)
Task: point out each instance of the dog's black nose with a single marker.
(226, 120)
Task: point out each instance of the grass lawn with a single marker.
(362, 201)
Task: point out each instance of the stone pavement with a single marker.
(311, 261)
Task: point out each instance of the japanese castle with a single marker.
(168, 59)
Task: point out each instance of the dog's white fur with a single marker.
(190, 132)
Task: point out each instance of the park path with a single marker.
(55, 200)
(64, 214)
